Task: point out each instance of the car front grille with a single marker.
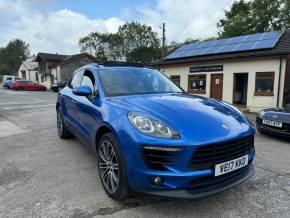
(208, 156)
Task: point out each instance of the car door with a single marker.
(29, 86)
(25, 85)
(88, 111)
(70, 101)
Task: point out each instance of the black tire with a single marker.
(62, 130)
(122, 189)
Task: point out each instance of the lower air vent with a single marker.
(158, 157)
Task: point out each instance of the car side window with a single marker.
(89, 80)
(75, 82)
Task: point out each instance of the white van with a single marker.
(5, 78)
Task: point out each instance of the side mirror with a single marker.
(82, 91)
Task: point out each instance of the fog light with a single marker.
(157, 180)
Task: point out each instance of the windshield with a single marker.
(132, 81)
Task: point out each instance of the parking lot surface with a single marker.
(43, 176)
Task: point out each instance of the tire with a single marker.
(62, 130)
(112, 169)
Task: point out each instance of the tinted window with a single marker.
(88, 80)
(130, 81)
(76, 80)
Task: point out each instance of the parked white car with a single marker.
(5, 78)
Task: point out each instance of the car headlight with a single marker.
(261, 114)
(151, 126)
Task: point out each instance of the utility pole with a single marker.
(163, 40)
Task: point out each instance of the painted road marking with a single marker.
(27, 106)
(8, 128)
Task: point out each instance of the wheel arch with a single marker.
(103, 129)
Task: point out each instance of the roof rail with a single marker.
(121, 64)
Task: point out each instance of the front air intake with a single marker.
(157, 158)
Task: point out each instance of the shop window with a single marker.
(264, 83)
(197, 84)
(175, 79)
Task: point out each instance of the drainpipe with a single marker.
(279, 82)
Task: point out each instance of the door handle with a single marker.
(74, 101)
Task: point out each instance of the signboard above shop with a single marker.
(212, 68)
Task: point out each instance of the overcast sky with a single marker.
(56, 25)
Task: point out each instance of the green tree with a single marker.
(266, 15)
(285, 14)
(248, 17)
(137, 36)
(12, 56)
(236, 21)
(144, 55)
(104, 46)
(132, 42)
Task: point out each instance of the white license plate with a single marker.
(231, 165)
(272, 123)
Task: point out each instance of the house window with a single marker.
(197, 84)
(175, 79)
(264, 83)
(36, 77)
(42, 78)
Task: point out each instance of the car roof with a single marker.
(113, 64)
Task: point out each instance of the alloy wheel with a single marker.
(59, 123)
(108, 166)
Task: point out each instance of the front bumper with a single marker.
(214, 188)
(284, 132)
(179, 180)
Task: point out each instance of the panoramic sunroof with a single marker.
(228, 45)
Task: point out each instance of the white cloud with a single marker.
(185, 18)
(57, 31)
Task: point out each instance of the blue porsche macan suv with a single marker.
(150, 136)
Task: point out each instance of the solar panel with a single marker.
(271, 35)
(245, 46)
(254, 37)
(228, 48)
(241, 43)
(235, 40)
(265, 43)
(221, 42)
(194, 45)
(184, 47)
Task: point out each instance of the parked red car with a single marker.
(27, 86)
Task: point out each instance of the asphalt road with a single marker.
(43, 176)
